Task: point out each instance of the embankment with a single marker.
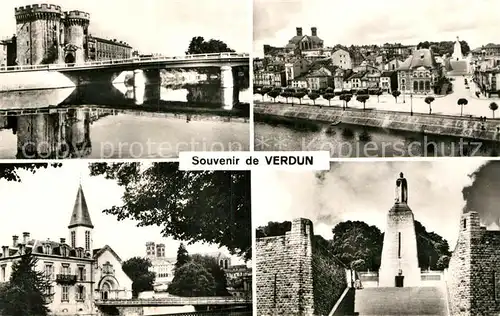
(455, 126)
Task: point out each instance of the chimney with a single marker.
(14, 240)
(63, 240)
(26, 236)
(314, 31)
(5, 251)
(299, 31)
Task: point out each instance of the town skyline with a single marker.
(275, 22)
(365, 191)
(173, 21)
(124, 237)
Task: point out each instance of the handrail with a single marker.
(127, 61)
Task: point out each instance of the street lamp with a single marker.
(404, 89)
(411, 104)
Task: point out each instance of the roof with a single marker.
(387, 74)
(298, 38)
(80, 215)
(98, 252)
(419, 58)
(114, 42)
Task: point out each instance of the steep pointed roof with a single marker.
(80, 215)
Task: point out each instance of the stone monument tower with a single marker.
(399, 265)
(457, 51)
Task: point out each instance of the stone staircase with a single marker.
(458, 68)
(401, 301)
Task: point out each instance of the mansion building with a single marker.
(418, 73)
(79, 273)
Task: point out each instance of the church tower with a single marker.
(399, 265)
(80, 226)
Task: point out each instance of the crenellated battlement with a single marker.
(76, 14)
(38, 11)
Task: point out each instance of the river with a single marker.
(349, 141)
(63, 123)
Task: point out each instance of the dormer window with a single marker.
(64, 251)
(47, 249)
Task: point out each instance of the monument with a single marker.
(399, 264)
(458, 64)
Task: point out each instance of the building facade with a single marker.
(418, 73)
(162, 266)
(103, 49)
(79, 273)
(302, 42)
(48, 35)
(342, 58)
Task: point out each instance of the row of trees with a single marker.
(328, 94)
(197, 275)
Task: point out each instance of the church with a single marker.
(80, 273)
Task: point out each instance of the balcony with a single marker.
(66, 279)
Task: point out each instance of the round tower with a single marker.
(38, 31)
(76, 24)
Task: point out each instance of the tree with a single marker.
(378, 94)
(198, 45)
(213, 267)
(28, 290)
(192, 279)
(363, 98)
(347, 99)
(429, 101)
(182, 256)
(287, 94)
(328, 96)
(462, 102)
(355, 240)
(430, 247)
(208, 206)
(358, 265)
(313, 96)
(9, 171)
(493, 108)
(396, 94)
(273, 229)
(274, 94)
(443, 262)
(299, 95)
(137, 269)
(264, 91)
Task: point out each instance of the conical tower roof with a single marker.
(80, 215)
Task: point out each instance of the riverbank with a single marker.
(455, 126)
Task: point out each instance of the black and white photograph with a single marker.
(379, 238)
(123, 79)
(381, 79)
(124, 239)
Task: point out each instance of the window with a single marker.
(65, 269)
(80, 293)
(49, 271)
(73, 239)
(48, 249)
(3, 274)
(81, 273)
(465, 223)
(87, 240)
(65, 293)
(107, 268)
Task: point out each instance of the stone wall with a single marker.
(474, 270)
(284, 272)
(419, 123)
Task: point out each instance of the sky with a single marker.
(376, 22)
(42, 203)
(366, 191)
(155, 26)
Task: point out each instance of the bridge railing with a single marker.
(125, 61)
(210, 300)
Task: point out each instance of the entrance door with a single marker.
(399, 280)
(70, 59)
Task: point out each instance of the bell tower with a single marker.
(80, 226)
(399, 265)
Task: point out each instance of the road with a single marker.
(446, 105)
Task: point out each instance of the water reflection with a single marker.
(117, 133)
(351, 141)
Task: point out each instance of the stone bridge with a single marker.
(226, 74)
(136, 306)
